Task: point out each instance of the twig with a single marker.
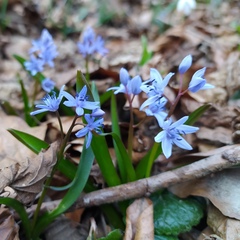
(230, 156)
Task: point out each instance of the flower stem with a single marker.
(130, 129)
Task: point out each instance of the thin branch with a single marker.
(229, 156)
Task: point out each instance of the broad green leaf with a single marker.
(195, 115)
(19, 208)
(33, 143)
(101, 152)
(114, 235)
(80, 180)
(173, 215)
(146, 55)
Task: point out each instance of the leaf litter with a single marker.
(208, 34)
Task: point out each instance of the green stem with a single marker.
(130, 130)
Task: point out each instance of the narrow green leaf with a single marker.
(67, 168)
(101, 152)
(82, 174)
(173, 215)
(27, 108)
(195, 115)
(146, 55)
(19, 208)
(8, 108)
(33, 143)
(116, 130)
(123, 157)
(115, 234)
(94, 91)
(147, 160)
(105, 96)
(164, 237)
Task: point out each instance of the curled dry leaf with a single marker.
(8, 227)
(139, 221)
(220, 188)
(224, 227)
(27, 176)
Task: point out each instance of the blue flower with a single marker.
(91, 44)
(51, 103)
(157, 109)
(44, 48)
(198, 82)
(48, 85)
(171, 134)
(154, 87)
(185, 64)
(128, 86)
(93, 124)
(34, 66)
(80, 101)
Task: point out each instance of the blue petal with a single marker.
(135, 85)
(159, 137)
(79, 111)
(82, 132)
(167, 147)
(185, 129)
(182, 143)
(149, 101)
(124, 76)
(185, 64)
(89, 139)
(38, 111)
(155, 75)
(179, 122)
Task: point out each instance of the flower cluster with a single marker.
(155, 105)
(94, 120)
(91, 44)
(43, 52)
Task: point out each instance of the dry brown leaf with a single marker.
(139, 220)
(220, 188)
(224, 227)
(27, 176)
(8, 227)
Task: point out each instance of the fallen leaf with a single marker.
(139, 220)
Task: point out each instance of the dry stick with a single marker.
(228, 157)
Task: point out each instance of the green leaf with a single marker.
(114, 235)
(142, 169)
(19, 208)
(105, 96)
(82, 174)
(173, 215)
(8, 108)
(33, 143)
(195, 115)
(146, 55)
(101, 152)
(164, 237)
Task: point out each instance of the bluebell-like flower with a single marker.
(128, 86)
(185, 64)
(93, 124)
(154, 87)
(80, 101)
(50, 103)
(171, 134)
(97, 113)
(45, 48)
(198, 82)
(34, 65)
(48, 85)
(91, 44)
(157, 109)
